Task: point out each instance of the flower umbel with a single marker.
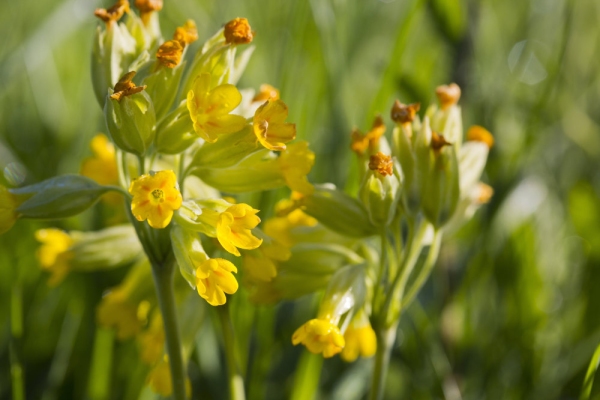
(320, 336)
(270, 127)
(214, 278)
(210, 109)
(155, 197)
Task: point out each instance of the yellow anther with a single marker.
(114, 13)
(125, 87)
(448, 95)
(169, 53)
(404, 113)
(381, 163)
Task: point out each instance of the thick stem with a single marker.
(385, 343)
(163, 281)
(236, 381)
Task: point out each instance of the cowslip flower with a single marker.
(214, 278)
(54, 255)
(261, 264)
(234, 228)
(118, 312)
(270, 127)
(320, 336)
(360, 341)
(155, 197)
(295, 163)
(102, 166)
(152, 340)
(210, 109)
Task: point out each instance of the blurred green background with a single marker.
(513, 309)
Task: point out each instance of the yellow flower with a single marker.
(116, 311)
(214, 278)
(54, 255)
(102, 166)
(261, 264)
(152, 341)
(210, 109)
(238, 31)
(320, 336)
(270, 127)
(282, 227)
(359, 341)
(295, 163)
(159, 379)
(234, 228)
(155, 197)
(8, 206)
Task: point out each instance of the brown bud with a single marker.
(448, 95)
(381, 163)
(480, 134)
(125, 87)
(169, 53)
(404, 114)
(238, 31)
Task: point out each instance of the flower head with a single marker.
(270, 127)
(360, 341)
(54, 255)
(480, 134)
(155, 197)
(210, 109)
(214, 278)
(169, 53)
(320, 336)
(295, 163)
(234, 228)
(238, 31)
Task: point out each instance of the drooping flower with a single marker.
(54, 255)
(320, 336)
(270, 127)
(155, 197)
(210, 109)
(214, 278)
(295, 163)
(360, 341)
(238, 31)
(234, 228)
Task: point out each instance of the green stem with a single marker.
(163, 280)
(16, 328)
(236, 382)
(385, 343)
(424, 272)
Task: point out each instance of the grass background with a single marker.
(511, 311)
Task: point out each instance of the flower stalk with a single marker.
(234, 376)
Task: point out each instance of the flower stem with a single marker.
(16, 327)
(236, 381)
(163, 281)
(385, 343)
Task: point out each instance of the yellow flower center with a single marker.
(158, 195)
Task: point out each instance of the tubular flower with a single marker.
(115, 311)
(234, 228)
(295, 163)
(8, 206)
(210, 108)
(54, 255)
(238, 31)
(359, 341)
(186, 34)
(267, 92)
(102, 167)
(155, 197)
(270, 127)
(169, 53)
(480, 134)
(320, 336)
(214, 278)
